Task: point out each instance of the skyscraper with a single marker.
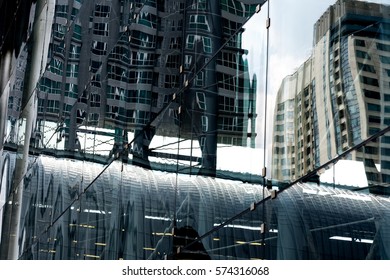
(172, 68)
(97, 80)
(339, 97)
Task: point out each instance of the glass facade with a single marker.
(139, 129)
(73, 210)
(348, 104)
(143, 68)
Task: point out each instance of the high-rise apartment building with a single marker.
(172, 68)
(339, 97)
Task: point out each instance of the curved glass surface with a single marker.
(133, 213)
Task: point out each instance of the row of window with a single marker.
(120, 73)
(127, 116)
(369, 81)
(100, 28)
(231, 124)
(102, 11)
(136, 58)
(59, 31)
(199, 22)
(132, 96)
(193, 40)
(377, 108)
(52, 106)
(231, 60)
(230, 82)
(383, 47)
(142, 39)
(230, 104)
(238, 8)
(199, 5)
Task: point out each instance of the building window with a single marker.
(142, 77)
(175, 43)
(71, 90)
(190, 42)
(147, 19)
(362, 54)
(187, 61)
(199, 80)
(374, 119)
(93, 118)
(385, 151)
(366, 67)
(121, 54)
(171, 81)
(99, 48)
(384, 59)
(67, 108)
(199, 5)
(372, 94)
(360, 43)
(10, 102)
(102, 10)
(56, 66)
(52, 106)
(96, 80)
(369, 81)
(75, 12)
(386, 139)
(95, 100)
(201, 100)
(227, 103)
(100, 28)
(74, 51)
(138, 96)
(119, 73)
(59, 31)
(142, 117)
(383, 47)
(205, 123)
(72, 70)
(61, 11)
(199, 22)
(50, 86)
(207, 48)
(173, 61)
(115, 93)
(281, 107)
(77, 32)
(279, 127)
(373, 130)
(142, 39)
(279, 138)
(95, 66)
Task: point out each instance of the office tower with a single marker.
(97, 80)
(292, 141)
(170, 68)
(339, 97)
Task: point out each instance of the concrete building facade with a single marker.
(345, 88)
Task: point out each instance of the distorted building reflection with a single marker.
(134, 213)
(109, 68)
(339, 96)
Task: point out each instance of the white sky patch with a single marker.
(240, 159)
(347, 172)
